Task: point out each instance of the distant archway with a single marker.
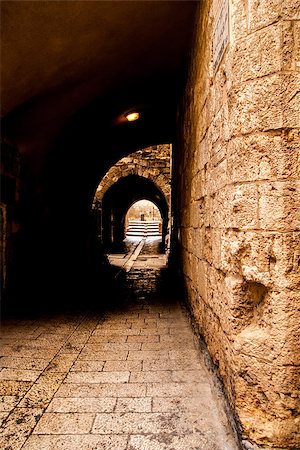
(143, 219)
(117, 201)
(142, 175)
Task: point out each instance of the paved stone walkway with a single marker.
(131, 379)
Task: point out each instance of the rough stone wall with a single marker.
(239, 211)
(152, 163)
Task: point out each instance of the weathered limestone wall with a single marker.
(152, 163)
(239, 211)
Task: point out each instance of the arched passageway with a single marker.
(144, 172)
(219, 80)
(117, 201)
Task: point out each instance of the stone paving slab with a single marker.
(166, 441)
(23, 363)
(131, 366)
(98, 377)
(130, 379)
(8, 402)
(19, 374)
(3, 417)
(138, 404)
(145, 423)
(18, 426)
(65, 423)
(79, 442)
(76, 404)
(43, 390)
(102, 390)
(62, 362)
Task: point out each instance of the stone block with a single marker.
(297, 44)
(250, 158)
(217, 212)
(196, 213)
(247, 302)
(268, 258)
(218, 153)
(279, 205)
(180, 404)
(284, 260)
(217, 178)
(239, 19)
(284, 312)
(220, 125)
(207, 245)
(290, 10)
(289, 45)
(197, 242)
(197, 191)
(256, 350)
(216, 247)
(215, 297)
(291, 100)
(258, 54)
(241, 206)
(199, 276)
(219, 90)
(257, 105)
(262, 13)
(205, 145)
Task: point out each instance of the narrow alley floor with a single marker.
(132, 378)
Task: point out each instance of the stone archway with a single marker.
(149, 170)
(152, 163)
(116, 203)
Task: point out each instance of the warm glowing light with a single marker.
(132, 116)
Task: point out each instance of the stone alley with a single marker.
(123, 122)
(131, 378)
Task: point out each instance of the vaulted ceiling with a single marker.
(66, 63)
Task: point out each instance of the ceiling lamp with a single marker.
(132, 116)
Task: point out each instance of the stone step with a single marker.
(139, 233)
(143, 228)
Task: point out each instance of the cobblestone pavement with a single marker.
(132, 378)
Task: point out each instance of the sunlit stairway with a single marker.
(144, 228)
